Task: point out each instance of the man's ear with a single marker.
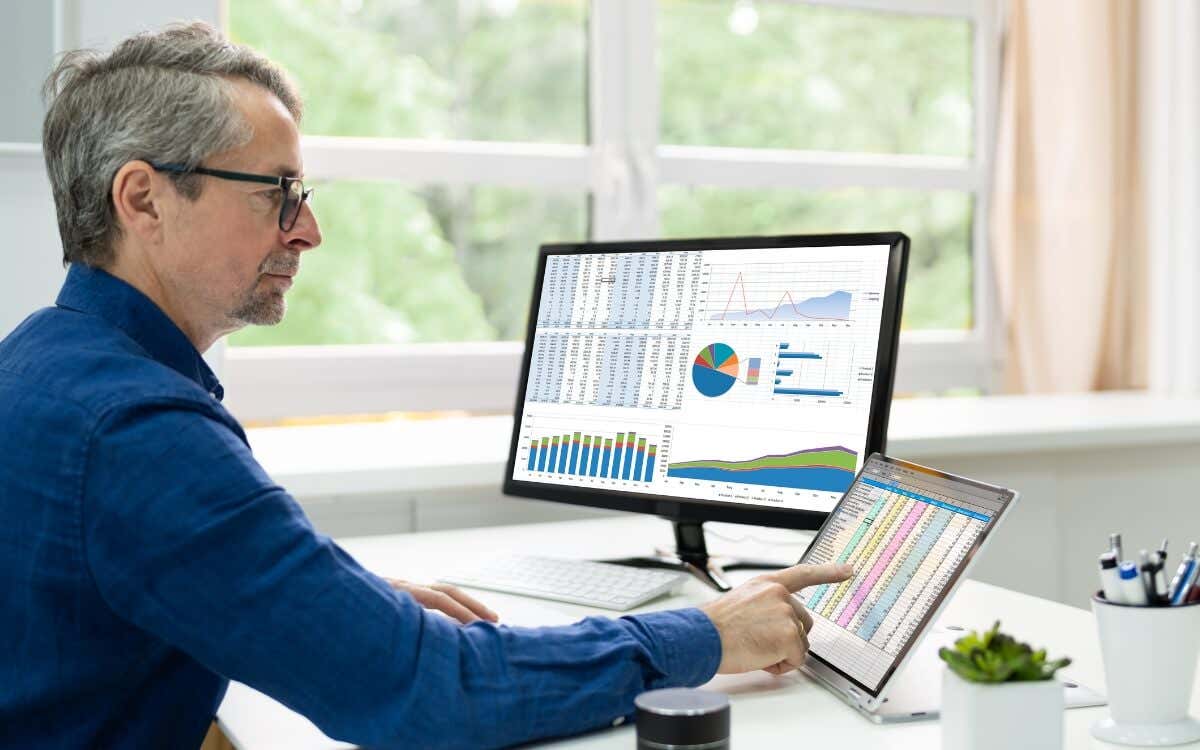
(138, 198)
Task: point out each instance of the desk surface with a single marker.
(766, 709)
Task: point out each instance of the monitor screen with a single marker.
(730, 376)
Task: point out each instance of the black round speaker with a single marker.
(682, 719)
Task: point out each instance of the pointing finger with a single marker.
(801, 576)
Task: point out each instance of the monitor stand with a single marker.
(691, 556)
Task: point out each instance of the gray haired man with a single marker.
(146, 558)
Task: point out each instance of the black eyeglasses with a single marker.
(294, 194)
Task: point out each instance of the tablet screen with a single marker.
(909, 532)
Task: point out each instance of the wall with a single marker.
(29, 271)
(1072, 500)
(28, 42)
(30, 256)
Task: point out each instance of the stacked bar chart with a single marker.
(625, 456)
(754, 370)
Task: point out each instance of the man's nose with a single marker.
(304, 234)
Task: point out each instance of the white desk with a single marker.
(767, 711)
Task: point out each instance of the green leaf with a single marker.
(992, 656)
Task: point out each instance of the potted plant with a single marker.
(1000, 693)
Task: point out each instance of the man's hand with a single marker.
(762, 625)
(446, 599)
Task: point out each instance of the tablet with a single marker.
(910, 532)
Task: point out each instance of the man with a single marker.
(146, 558)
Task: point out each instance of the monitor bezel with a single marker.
(697, 510)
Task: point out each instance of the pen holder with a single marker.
(1149, 664)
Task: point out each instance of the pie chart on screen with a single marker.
(715, 370)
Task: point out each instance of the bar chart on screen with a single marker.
(620, 451)
(760, 368)
(821, 368)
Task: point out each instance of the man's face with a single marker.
(229, 258)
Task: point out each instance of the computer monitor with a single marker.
(736, 379)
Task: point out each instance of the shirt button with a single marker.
(618, 721)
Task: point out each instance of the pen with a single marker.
(1158, 565)
(1185, 576)
(1114, 544)
(1148, 583)
(1110, 578)
(1133, 591)
(1159, 559)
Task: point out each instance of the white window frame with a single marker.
(621, 169)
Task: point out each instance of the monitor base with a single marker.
(691, 556)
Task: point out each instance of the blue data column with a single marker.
(583, 455)
(617, 451)
(595, 457)
(627, 459)
(573, 468)
(563, 454)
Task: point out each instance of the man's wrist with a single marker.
(689, 646)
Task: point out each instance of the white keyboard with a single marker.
(594, 584)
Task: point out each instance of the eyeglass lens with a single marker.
(293, 198)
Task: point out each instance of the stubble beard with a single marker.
(261, 307)
(266, 306)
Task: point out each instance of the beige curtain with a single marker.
(1067, 217)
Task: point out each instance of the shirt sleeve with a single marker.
(188, 539)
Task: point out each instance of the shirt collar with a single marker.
(94, 292)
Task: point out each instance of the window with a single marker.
(453, 138)
(406, 264)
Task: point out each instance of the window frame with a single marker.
(621, 170)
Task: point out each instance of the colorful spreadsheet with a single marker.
(906, 534)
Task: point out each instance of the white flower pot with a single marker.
(1001, 716)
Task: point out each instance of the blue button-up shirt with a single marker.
(146, 559)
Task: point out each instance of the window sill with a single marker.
(365, 459)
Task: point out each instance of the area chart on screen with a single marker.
(828, 469)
